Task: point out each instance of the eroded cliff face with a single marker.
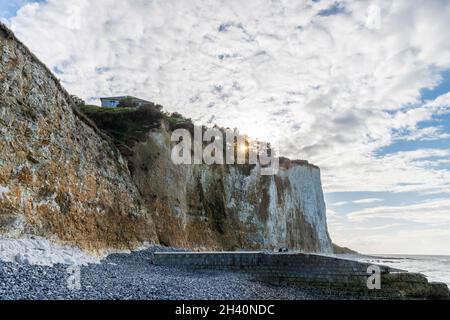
(230, 206)
(62, 176)
(58, 176)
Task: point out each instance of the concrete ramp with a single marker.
(323, 272)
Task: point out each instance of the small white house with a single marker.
(113, 102)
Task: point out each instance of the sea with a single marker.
(435, 268)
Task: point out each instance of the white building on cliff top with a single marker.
(113, 102)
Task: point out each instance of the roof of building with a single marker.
(123, 97)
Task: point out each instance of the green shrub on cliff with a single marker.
(126, 125)
(129, 125)
(177, 121)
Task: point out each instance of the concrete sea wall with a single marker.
(310, 270)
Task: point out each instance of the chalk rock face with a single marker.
(230, 206)
(58, 176)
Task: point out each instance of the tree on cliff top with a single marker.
(77, 100)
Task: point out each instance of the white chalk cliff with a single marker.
(65, 175)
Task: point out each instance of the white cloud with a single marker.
(420, 228)
(426, 134)
(435, 211)
(324, 88)
(368, 200)
(427, 240)
(339, 203)
(360, 201)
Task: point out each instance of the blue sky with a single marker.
(365, 101)
(8, 8)
(442, 121)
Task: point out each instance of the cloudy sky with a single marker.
(360, 88)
